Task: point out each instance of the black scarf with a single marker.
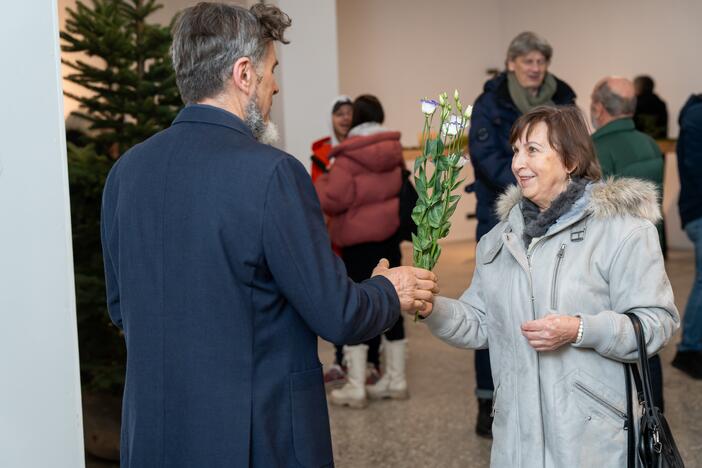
(536, 222)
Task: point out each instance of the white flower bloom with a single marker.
(468, 112)
(462, 162)
(451, 127)
(429, 106)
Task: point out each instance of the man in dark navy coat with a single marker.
(219, 269)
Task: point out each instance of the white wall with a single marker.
(40, 415)
(308, 75)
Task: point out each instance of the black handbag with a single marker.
(655, 446)
(408, 199)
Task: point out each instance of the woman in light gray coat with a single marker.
(552, 281)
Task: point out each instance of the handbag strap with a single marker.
(630, 426)
(642, 375)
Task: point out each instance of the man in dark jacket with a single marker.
(651, 113)
(689, 356)
(524, 85)
(624, 151)
(219, 269)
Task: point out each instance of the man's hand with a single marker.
(415, 286)
(551, 332)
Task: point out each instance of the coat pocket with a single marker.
(505, 432)
(588, 421)
(601, 402)
(598, 400)
(310, 419)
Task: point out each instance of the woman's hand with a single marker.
(551, 332)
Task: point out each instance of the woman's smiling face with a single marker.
(538, 167)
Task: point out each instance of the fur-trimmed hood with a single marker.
(607, 199)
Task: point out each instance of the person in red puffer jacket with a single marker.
(360, 194)
(340, 124)
(341, 118)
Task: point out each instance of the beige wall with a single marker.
(401, 50)
(404, 49)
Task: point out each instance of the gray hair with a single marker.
(210, 37)
(527, 42)
(613, 103)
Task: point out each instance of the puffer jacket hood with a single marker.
(600, 259)
(378, 152)
(613, 197)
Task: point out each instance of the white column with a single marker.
(308, 76)
(40, 412)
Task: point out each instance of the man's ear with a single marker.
(244, 75)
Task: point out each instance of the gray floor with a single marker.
(434, 428)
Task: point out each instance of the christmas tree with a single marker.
(130, 94)
(132, 91)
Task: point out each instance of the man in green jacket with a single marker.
(624, 151)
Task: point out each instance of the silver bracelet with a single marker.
(579, 338)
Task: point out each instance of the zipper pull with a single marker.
(561, 251)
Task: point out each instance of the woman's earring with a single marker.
(570, 179)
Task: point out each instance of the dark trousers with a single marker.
(360, 259)
(483, 373)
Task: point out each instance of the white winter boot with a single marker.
(353, 393)
(393, 383)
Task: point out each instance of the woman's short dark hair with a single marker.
(367, 108)
(567, 135)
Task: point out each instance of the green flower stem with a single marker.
(434, 193)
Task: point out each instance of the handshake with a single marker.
(415, 287)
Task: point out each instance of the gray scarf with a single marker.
(536, 222)
(524, 100)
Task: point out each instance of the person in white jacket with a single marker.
(552, 281)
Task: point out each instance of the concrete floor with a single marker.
(434, 428)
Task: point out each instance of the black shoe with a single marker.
(483, 426)
(690, 362)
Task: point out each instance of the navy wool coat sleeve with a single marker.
(219, 271)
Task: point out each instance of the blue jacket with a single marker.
(494, 113)
(220, 272)
(689, 150)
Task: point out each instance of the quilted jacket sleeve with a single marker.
(638, 283)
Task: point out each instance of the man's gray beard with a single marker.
(593, 121)
(265, 132)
